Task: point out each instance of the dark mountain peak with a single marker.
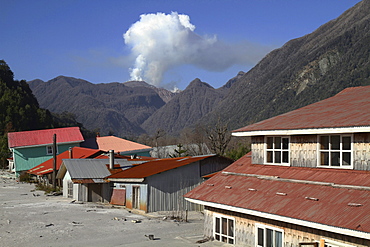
(138, 84)
(197, 83)
(73, 82)
(230, 82)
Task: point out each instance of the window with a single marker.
(331, 243)
(277, 150)
(269, 236)
(224, 228)
(335, 150)
(70, 189)
(49, 149)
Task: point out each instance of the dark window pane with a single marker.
(335, 142)
(270, 141)
(324, 142)
(285, 157)
(346, 143)
(217, 237)
(285, 143)
(269, 156)
(269, 238)
(278, 239)
(277, 157)
(346, 159)
(231, 228)
(217, 230)
(260, 236)
(231, 241)
(324, 159)
(224, 239)
(277, 142)
(224, 226)
(335, 161)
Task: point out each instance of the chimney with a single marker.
(70, 153)
(111, 159)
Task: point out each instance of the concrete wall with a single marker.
(245, 230)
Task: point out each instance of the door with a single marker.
(136, 197)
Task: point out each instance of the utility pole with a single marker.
(54, 161)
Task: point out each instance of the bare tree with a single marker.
(218, 137)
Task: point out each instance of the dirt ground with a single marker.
(31, 218)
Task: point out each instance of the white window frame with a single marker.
(49, 149)
(219, 236)
(330, 151)
(274, 150)
(332, 243)
(265, 227)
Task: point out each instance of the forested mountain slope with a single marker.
(303, 71)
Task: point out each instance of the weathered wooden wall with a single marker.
(361, 150)
(258, 149)
(304, 151)
(245, 230)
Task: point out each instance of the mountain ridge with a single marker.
(303, 71)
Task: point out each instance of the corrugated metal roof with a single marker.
(290, 198)
(152, 167)
(77, 153)
(349, 108)
(88, 180)
(117, 144)
(92, 168)
(339, 176)
(44, 137)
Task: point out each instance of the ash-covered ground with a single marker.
(30, 218)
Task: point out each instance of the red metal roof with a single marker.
(334, 206)
(349, 108)
(157, 166)
(44, 137)
(77, 153)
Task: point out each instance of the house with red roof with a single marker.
(31, 148)
(45, 169)
(84, 179)
(159, 184)
(306, 181)
(119, 145)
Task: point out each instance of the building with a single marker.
(31, 148)
(159, 185)
(306, 181)
(45, 169)
(84, 179)
(119, 145)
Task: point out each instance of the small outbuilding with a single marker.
(159, 185)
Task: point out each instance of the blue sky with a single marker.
(207, 39)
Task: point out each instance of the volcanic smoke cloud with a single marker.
(161, 41)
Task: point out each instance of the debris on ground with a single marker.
(150, 236)
(204, 240)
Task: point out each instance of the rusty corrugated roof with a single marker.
(77, 153)
(152, 167)
(44, 137)
(349, 108)
(282, 191)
